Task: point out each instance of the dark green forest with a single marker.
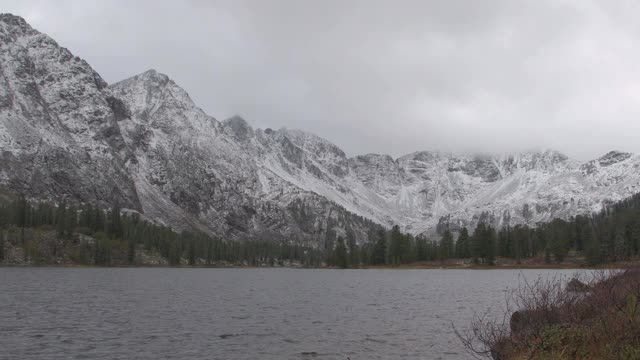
(94, 236)
(112, 237)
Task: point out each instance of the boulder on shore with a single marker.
(575, 285)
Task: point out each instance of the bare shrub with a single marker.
(545, 320)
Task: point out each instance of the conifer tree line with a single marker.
(112, 237)
(609, 236)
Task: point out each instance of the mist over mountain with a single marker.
(142, 142)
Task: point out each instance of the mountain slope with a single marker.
(192, 169)
(58, 125)
(65, 135)
(143, 142)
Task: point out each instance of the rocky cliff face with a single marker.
(59, 130)
(194, 171)
(143, 142)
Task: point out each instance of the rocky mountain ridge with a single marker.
(65, 133)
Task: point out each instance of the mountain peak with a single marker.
(150, 78)
(13, 27)
(14, 20)
(312, 142)
(238, 127)
(613, 157)
(237, 122)
(148, 90)
(154, 74)
(543, 152)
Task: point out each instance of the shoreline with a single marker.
(534, 266)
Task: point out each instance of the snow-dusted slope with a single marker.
(420, 190)
(58, 122)
(194, 171)
(143, 142)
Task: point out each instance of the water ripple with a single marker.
(71, 313)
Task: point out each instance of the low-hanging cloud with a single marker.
(382, 76)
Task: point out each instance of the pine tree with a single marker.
(462, 244)
(131, 250)
(558, 239)
(61, 219)
(490, 244)
(483, 244)
(479, 243)
(192, 253)
(354, 253)
(379, 253)
(341, 254)
(102, 254)
(547, 255)
(421, 249)
(592, 249)
(395, 246)
(446, 245)
(98, 220)
(329, 242)
(504, 245)
(21, 216)
(86, 217)
(635, 236)
(71, 219)
(2, 250)
(115, 223)
(518, 240)
(619, 246)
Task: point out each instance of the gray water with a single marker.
(160, 313)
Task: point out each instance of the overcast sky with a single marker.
(382, 76)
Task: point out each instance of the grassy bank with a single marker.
(548, 319)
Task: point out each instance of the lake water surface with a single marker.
(163, 313)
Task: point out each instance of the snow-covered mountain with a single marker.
(144, 143)
(58, 122)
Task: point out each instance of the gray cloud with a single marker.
(382, 76)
